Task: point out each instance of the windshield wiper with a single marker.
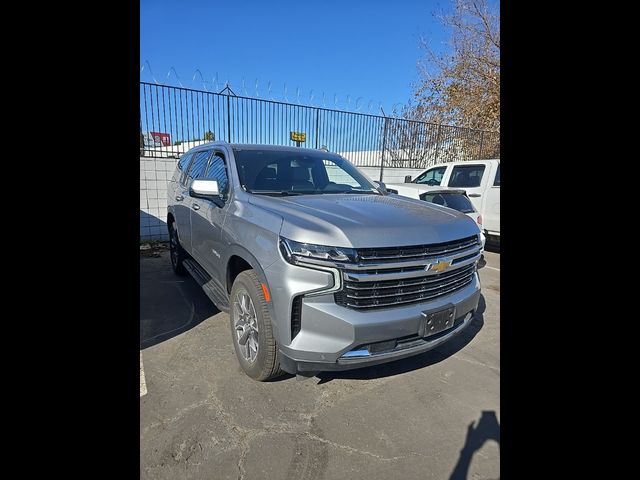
(356, 191)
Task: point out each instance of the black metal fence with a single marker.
(174, 119)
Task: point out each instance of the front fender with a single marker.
(246, 255)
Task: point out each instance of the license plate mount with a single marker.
(436, 321)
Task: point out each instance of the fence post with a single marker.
(481, 139)
(437, 144)
(384, 144)
(228, 119)
(317, 125)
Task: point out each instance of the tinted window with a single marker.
(199, 164)
(184, 162)
(466, 176)
(217, 171)
(457, 201)
(183, 165)
(431, 177)
(277, 171)
(496, 182)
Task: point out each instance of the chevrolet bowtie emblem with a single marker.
(441, 266)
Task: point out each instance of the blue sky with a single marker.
(363, 49)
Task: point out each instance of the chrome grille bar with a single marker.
(402, 300)
(422, 251)
(411, 283)
(379, 274)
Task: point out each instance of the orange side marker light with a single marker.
(265, 290)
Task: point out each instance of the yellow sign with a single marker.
(441, 266)
(298, 136)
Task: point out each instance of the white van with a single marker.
(479, 178)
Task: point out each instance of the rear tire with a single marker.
(251, 329)
(177, 253)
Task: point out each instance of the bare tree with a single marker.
(462, 86)
(410, 144)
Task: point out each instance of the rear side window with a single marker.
(457, 201)
(496, 182)
(217, 171)
(184, 162)
(466, 176)
(199, 164)
(431, 177)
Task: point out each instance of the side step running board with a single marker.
(219, 298)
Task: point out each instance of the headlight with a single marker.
(296, 252)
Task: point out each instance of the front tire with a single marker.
(251, 329)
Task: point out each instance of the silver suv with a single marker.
(318, 267)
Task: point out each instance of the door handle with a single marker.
(475, 194)
(179, 198)
(196, 206)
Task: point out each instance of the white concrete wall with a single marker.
(390, 175)
(154, 174)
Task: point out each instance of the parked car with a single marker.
(479, 178)
(447, 197)
(318, 268)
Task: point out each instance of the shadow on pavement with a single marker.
(169, 304)
(487, 428)
(419, 361)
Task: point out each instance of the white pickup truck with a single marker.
(480, 179)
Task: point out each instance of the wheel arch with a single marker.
(240, 257)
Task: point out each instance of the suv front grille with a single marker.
(395, 284)
(417, 252)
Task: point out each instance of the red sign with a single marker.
(160, 137)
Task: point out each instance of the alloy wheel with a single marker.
(246, 325)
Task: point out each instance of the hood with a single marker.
(362, 221)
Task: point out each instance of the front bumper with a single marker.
(293, 366)
(329, 330)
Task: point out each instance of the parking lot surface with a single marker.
(434, 416)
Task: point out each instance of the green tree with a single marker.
(209, 136)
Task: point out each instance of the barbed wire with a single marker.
(216, 86)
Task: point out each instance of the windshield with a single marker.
(283, 172)
(457, 201)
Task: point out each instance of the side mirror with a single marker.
(207, 189)
(407, 179)
(382, 187)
